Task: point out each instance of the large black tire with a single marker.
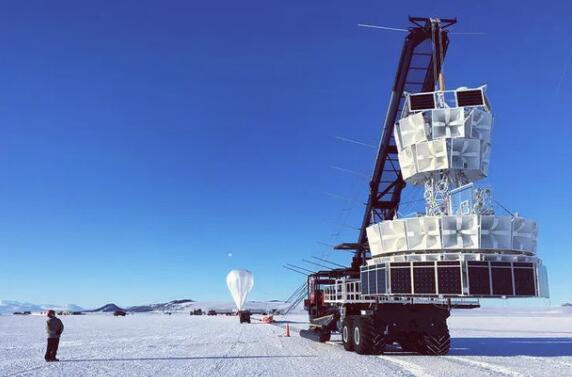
(410, 342)
(434, 345)
(347, 334)
(365, 336)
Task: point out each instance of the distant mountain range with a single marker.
(188, 305)
(10, 306)
(175, 305)
(107, 308)
(184, 305)
(171, 306)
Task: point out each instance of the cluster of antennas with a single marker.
(459, 233)
(443, 141)
(444, 133)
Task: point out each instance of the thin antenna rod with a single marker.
(337, 196)
(316, 264)
(477, 33)
(326, 244)
(503, 207)
(383, 27)
(300, 268)
(327, 261)
(357, 173)
(344, 225)
(352, 141)
(291, 269)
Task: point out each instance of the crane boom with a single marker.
(419, 70)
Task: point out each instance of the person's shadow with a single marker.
(543, 347)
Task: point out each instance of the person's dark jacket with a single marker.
(54, 328)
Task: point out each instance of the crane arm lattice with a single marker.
(418, 71)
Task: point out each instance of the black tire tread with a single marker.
(370, 337)
(349, 345)
(435, 345)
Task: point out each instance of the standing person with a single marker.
(54, 328)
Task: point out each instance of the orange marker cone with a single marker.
(287, 330)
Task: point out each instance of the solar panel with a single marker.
(421, 101)
(364, 282)
(524, 280)
(501, 275)
(424, 278)
(473, 97)
(449, 276)
(400, 278)
(479, 283)
(381, 281)
(372, 281)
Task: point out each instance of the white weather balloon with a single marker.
(239, 283)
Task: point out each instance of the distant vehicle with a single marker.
(167, 313)
(267, 319)
(244, 316)
(119, 313)
(22, 313)
(211, 312)
(196, 312)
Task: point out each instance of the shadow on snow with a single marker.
(511, 347)
(185, 358)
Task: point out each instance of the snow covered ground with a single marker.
(495, 342)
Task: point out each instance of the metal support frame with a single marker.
(418, 71)
(424, 50)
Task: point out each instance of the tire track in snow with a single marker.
(26, 371)
(495, 368)
(219, 364)
(545, 360)
(414, 369)
(404, 366)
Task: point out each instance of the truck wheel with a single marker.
(347, 334)
(435, 344)
(409, 342)
(365, 336)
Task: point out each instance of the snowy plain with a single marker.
(486, 342)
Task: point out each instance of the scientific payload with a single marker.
(409, 271)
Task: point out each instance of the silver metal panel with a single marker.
(448, 123)
(485, 157)
(423, 233)
(480, 123)
(496, 232)
(374, 239)
(465, 154)
(460, 232)
(407, 164)
(432, 155)
(524, 234)
(543, 287)
(412, 130)
(393, 236)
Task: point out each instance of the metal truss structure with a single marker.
(418, 71)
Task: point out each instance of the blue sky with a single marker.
(140, 143)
